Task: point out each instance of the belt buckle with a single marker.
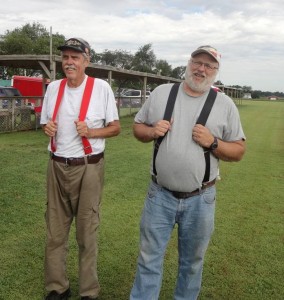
(203, 186)
(68, 161)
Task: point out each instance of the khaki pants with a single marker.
(73, 191)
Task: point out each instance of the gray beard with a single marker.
(198, 87)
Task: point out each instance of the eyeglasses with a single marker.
(198, 64)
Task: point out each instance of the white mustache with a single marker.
(70, 67)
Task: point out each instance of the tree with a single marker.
(94, 56)
(255, 94)
(247, 89)
(163, 68)
(144, 59)
(178, 72)
(218, 82)
(117, 58)
(236, 86)
(108, 58)
(29, 39)
(123, 59)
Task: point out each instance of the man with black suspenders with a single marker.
(78, 114)
(192, 127)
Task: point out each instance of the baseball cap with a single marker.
(76, 44)
(209, 50)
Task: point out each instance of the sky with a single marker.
(248, 34)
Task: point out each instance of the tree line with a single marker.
(35, 39)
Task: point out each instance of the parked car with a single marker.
(9, 92)
(132, 98)
(119, 92)
(134, 94)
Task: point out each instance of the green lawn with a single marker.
(245, 257)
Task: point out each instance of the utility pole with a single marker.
(51, 61)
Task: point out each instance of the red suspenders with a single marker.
(83, 110)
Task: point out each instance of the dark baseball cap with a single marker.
(76, 44)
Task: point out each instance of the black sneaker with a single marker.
(53, 295)
(88, 298)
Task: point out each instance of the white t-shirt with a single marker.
(101, 111)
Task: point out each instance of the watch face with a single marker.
(214, 145)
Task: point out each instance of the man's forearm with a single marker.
(230, 151)
(113, 129)
(143, 133)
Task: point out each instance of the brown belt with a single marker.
(77, 161)
(184, 195)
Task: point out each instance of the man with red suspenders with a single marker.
(78, 113)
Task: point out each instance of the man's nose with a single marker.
(69, 60)
(202, 66)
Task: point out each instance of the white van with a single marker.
(134, 94)
(132, 98)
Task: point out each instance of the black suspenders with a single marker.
(201, 120)
(167, 116)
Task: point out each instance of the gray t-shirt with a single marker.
(180, 162)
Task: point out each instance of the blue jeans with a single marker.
(195, 219)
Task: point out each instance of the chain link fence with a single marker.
(128, 106)
(15, 115)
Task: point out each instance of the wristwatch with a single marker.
(214, 145)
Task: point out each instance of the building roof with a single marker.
(52, 64)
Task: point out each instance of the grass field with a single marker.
(245, 257)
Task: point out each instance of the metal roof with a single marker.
(52, 64)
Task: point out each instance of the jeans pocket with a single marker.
(209, 195)
(153, 190)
